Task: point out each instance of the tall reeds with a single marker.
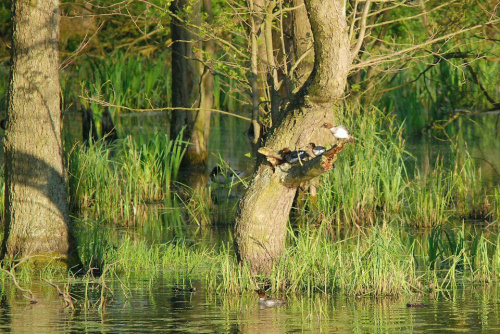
(371, 181)
(115, 181)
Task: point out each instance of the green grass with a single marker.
(369, 176)
(428, 198)
(372, 261)
(115, 182)
(380, 260)
(135, 82)
(371, 182)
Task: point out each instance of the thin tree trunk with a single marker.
(35, 193)
(255, 125)
(259, 9)
(192, 82)
(265, 208)
(197, 153)
(303, 54)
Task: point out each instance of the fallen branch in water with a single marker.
(66, 297)
(31, 296)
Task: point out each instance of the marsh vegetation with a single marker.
(408, 214)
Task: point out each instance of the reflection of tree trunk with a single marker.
(89, 131)
(261, 225)
(40, 317)
(35, 192)
(108, 130)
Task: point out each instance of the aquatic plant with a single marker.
(428, 198)
(375, 262)
(369, 178)
(114, 181)
(371, 181)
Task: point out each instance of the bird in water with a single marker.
(218, 175)
(293, 156)
(265, 302)
(339, 132)
(317, 150)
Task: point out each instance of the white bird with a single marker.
(339, 132)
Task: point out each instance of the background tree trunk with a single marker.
(35, 193)
(302, 43)
(192, 82)
(198, 152)
(265, 208)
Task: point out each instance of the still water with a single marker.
(156, 307)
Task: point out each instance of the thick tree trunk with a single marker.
(261, 224)
(35, 194)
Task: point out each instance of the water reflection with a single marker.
(159, 308)
(479, 134)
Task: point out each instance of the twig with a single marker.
(411, 17)
(31, 296)
(107, 104)
(392, 57)
(66, 297)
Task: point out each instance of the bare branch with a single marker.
(30, 296)
(353, 21)
(66, 297)
(107, 104)
(362, 30)
(410, 17)
(288, 9)
(80, 48)
(197, 28)
(393, 56)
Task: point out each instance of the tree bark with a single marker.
(302, 43)
(255, 125)
(198, 152)
(265, 208)
(35, 193)
(192, 82)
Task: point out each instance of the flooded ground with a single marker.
(158, 306)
